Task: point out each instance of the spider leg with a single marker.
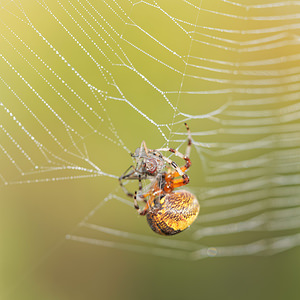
(133, 175)
(135, 203)
(189, 144)
(152, 195)
(145, 147)
(141, 151)
(136, 206)
(127, 175)
(180, 182)
(178, 171)
(177, 153)
(143, 211)
(170, 162)
(140, 183)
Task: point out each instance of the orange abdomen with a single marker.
(173, 213)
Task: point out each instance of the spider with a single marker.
(167, 212)
(148, 165)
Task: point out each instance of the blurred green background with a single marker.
(133, 69)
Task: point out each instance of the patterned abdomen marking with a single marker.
(173, 213)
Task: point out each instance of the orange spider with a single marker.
(167, 212)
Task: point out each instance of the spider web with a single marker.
(80, 79)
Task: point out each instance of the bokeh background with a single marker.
(82, 83)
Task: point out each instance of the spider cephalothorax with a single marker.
(148, 165)
(167, 212)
